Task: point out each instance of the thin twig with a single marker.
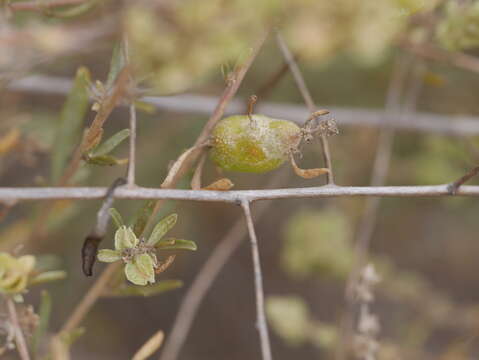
(19, 338)
(232, 196)
(453, 187)
(303, 89)
(258, 282)
(203, 281)
(36, 5)
(132, 150)
(132, 144)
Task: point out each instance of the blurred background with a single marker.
(355, 55)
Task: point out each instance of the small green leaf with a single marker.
(134, 275)
(142, 217)
(148, 290)
(162, 228)
(111, 143)
(70, 123)
(108, 256)
(115, 215)
(48, 276)
(125, 238)
(117, 63)
(146, 265)
(44, 313)
(105, 160)
(176, 244)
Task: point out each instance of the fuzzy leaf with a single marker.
(108, 256)
(148, 290)
(142, 217)
(117, 63)
(125, 238)
(48, 276)
(111, 143)
(44, 313)
(146, 266)
(162, 228)
(71, 119)
(134, 275)
(176, 244)
(115, 215)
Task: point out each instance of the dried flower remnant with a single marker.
(139, 255)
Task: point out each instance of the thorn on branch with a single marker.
(454, 186)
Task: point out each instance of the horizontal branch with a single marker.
(198, 104)
(9, 195)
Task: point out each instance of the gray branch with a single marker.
(198, 104)
(14, 194)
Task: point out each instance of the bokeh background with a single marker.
(425, 250)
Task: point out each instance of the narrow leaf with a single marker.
(162, 228)
(105, 160)
(142, 217)
(148, 348)
(108, 255)
(176, 244)
(115, 215)
(71, 119)
(111, 143)
(72, 11)
(149, 290)
(44, 314)
(48, 276)
(117, 63)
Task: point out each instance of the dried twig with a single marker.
(132, 145)
(258, 282)
(19, 338)
(301, 84)
(453, 187)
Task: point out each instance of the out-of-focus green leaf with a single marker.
(162, 228)
(105, 160)
(142, 217)
(117, 63)
(145, 107)
(71, 119)
(111, 143)
(44, 313)
(318, 242)
(48, 276)
(176, 244)
(289, 317)
(149, 290)
(108, 255)
(117, 219)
